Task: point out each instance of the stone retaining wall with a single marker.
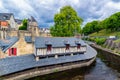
(47, 70)
(112, 45)
(110, 56)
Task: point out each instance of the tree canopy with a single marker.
(91, 27)
(67, 22)
(24, 25)
(111, 23)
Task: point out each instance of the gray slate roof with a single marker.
(40, 42)
(32, 19)
(18, 21)
(5, 16)
(6, 44)
(14, 64)
(28, 39)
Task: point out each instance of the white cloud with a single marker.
(108, 9)
(44, 10)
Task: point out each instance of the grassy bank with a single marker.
(105, 33)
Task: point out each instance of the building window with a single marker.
(78, 46)
(49, 47)
(12, 51)
(67, 46)
(5, 17)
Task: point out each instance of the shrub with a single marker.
(22, 28)
(100, 41)
(24, 25)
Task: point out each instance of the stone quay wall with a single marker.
(109, 55)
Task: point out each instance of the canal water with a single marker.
(99, 70)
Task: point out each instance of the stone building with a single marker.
(7, 23)
(4, 28)
(18, 23)
(9, 17)
(45, 32)
(16, 46)
(18, 42)
(33, 27)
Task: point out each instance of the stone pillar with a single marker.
(56, 56)
(37, 58)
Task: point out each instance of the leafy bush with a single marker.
(24, 25)
(100, 41)
(22, 28)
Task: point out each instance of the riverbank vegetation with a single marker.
(99, 41)
(105, 33)
(110, 44)
(108, 26)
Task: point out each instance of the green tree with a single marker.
(113, 22)
(67, 22)
(91, 27)
(24, 25)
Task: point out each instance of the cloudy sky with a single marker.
(44, 10)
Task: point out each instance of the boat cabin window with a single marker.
(49, 47)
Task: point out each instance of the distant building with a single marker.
(9, 17)
(7, 24)
(18, 23)
(33, 27)
(4, 27)
(45, 32)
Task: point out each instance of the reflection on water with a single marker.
(101, 72)
(98, 71)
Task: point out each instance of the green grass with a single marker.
(117, 41)
(105, 33)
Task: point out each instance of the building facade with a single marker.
(9, 17)
(18, 23)
(33, 27)
(52, 46)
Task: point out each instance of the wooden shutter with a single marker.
(67, 46)
(15, 51)
(10, 51)
(49, 47)
(78, 46)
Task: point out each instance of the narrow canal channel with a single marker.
(102, 69)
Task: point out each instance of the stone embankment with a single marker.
(109, 54)
(47, 70)
(111, 44)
